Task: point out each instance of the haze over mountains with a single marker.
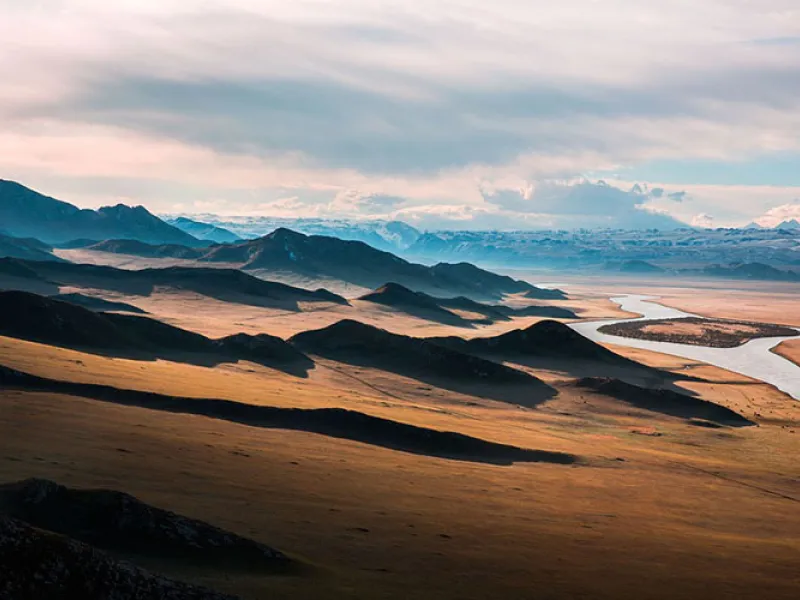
(788, 224)
(286, 251)
(204, 231)
(392, 236)
(31, 222)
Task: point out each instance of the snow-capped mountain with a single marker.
(391, 236)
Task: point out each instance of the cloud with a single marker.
(779, 214)
(677, 196)
(584, 204)
(250, 102)
(703, 220)
(355, 203)
(467, 217)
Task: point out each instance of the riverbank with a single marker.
(753, 359)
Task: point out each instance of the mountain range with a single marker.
(788, 224)
(25, 213)
(204, 231)
(452, 310)
(392, 236)
(286, 251)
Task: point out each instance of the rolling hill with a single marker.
(423, 305)
(546, 339)
(352, 341)
(31, 317)
(230, 285)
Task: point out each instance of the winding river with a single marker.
(753, 359)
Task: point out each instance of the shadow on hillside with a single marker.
(518, 389)
(332, 422)
(35, 286)
(664, 401)
(635, 373)
(98, 304)
(296, 368)
(442, 317)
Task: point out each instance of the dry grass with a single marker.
(687, 513)
(653, 526)
(789, 350)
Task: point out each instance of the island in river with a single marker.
(697, 331)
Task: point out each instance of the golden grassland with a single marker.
(790, 350)
(655, 507)
(686, 511)
(762, 301)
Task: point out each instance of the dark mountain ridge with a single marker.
(547, 339)
(352, 340)
(26, 248)
(426, 306)
(27, 213)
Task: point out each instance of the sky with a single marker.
(443, 113)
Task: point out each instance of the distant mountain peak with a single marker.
(27, 213)
(789, 224)
(282, 233)
(204, 231)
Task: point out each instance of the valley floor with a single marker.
(654, 508)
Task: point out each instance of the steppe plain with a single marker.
(653, 506)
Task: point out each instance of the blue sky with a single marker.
(779, 169)
(444, 113)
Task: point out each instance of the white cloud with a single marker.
(779, 214)
(355, 203)
(731, 205)
(703, 220)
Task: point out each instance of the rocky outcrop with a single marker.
(40, 565)
(114, 520)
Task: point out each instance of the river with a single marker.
(753, 359)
